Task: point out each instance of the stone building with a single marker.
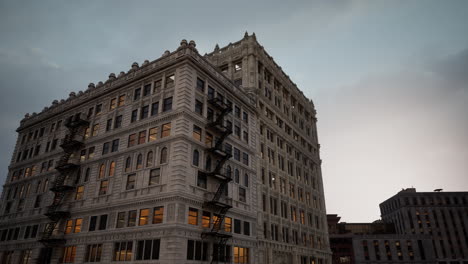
(377, 242)
(184, 159)
(441, 215)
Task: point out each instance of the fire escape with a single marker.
(63, 184)
(216, 202)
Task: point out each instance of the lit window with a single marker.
(241, 255)
(113, 104)
(144, 214)
(197, 133)
(112, 169)
(68, 226)
(153, 134)
(102, 171)
(69, 254)
(121, 100)
(93, 253)
(131, 140)
(78, 223)
(206, 218)
(123, 251)
(193, 216)
(103, 187)
(141, 137)
(228, 224)
(166, 130)
(158, 215)
(79, 193)
(95, 130)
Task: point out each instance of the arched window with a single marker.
(45, 186)
(228, 171)
(87, 174)
(236, 175)
(208, 163)
(149, 159)
(139, 164)
(128, 164)
(112, 169)
(163, 156)
(102, 171)
(196, 158)
(246, 180)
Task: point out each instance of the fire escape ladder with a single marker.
(72, 142)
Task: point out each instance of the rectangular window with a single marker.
(200, 85)
(170, 81)
(131, 140)
(109, 124)
(242, 195)
(131, 179)
(144, 215)
(68, 226)
(103, 222)
(141, 137)
(153, 134)
(121, 100)
(147, 90)
(77, 228)
(245, 117)
(105, 148)
(237, 226)
(157, 86)
(198, 107)
(93, 253)
(113, 104)
(197, 250)
(103, 187)
(158, 215)
(69, 254)
(123, 251)
(154, 108)
(201, 180)
(79, 192)
(120, 220)
(95, 130)
(247, 228)
(132, 218)
(237, 154)
(228, 224)
(144, 112)
(134, 116)
(197, 131)
(166, 130)
(115, 145)
(137, 94)
(193, 216)
(148, 249)
(206, 218)
(118, 122)
(155, 174)
(245, 158)
(241, 255)
(92, 223)
(167, 104)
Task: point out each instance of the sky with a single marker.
(389, 79)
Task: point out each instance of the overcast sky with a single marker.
(389, 79)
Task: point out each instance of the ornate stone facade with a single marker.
(166, 164)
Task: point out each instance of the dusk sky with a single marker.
(389, 79)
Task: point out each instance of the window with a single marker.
(131, 178)
(77, 228)
(121, 100)
(228, 224)
(246, 180)
(154, 176)
(198, 107)
(245, 158)
(141, 137)
(128, 164)
(144, 214)
(166, 130)
(247, 228)
(115, 145)
(163, 158)
(92, 223)
(131, 140)
(196, 158)
(200, 85)
(144, 112)
(241, 255)
(95, 130)
(238, 66)
(167, 104)
(170, 81)
(237, 226)
(211, 93)
(157, 85)
(237, 154)
(206, 218)
(102, 171)
(193, 216)
(201, 180)
(103, 187)
(158, 215)
(147, 90)
(149, 159)
(134, 116)
(153, 134)
(25, 257)
(137, 94)
(93, 253)
(197, 250)
(79, 193)
(242, 195)
(154, 108)
(139, 163)
(148, 249)
(109, 124)
(113, 104)
(118, 121)
(69, 254)
(132, 218)
(245, 117)
(120, 220)
(105, 148)
(197, 133)
(68, 226)
(123, 251)
(112, 169)
(236, 176)
(237, 111)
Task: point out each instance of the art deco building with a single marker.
(441, 215)
(185, 159)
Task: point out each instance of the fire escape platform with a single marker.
(217, 204)
(62, 188)
(76, 123)
(67, 167)
(216, 234)
(71, 144)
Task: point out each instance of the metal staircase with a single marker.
(66, 169)
(215, 202)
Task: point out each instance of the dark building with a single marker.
(441, 215)
(375, 242)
